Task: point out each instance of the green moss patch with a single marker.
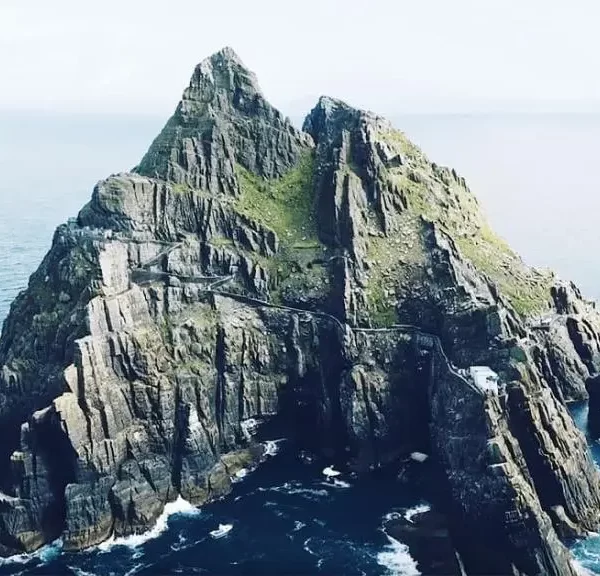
(180, 188)
(285, 205)
(221, 242)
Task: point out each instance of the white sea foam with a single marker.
(179, 506)
(80, 571)
(272, 446)
(587, 554)
(298, 525)
(307, 547)
(412, 512)
(309, 493)
(295, 488)
(45, 554)
(396, 559)
(249, 427)
(579, 569)
(180, 544)
(242, 473)
(341, 484)
(135, 569)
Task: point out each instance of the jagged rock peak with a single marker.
(223, 121)
(221, 79)
(333, 113)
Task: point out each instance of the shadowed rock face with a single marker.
(333, 281)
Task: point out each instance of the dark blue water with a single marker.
(587, 551)
(285, 518)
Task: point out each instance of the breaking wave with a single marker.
(44, 555)
(177, 507)
(240, 474)
(396, 559)
(587, 554)
(272, 446)
(280, 510)
(419, 509)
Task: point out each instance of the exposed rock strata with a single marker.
(335, 279)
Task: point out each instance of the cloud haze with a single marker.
(394, 55)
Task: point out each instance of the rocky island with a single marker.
(331, 280)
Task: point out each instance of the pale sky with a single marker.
(393, 56)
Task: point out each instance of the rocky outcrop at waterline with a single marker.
(427, 535)
(333, 280)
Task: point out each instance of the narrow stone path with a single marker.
(396, 328)
(162, 254)
(220, 281)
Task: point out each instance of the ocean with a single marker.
(534, 175)
(283, 518)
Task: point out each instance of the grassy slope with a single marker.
(286, 206)
(434, 193)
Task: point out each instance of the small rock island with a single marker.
(331, 279)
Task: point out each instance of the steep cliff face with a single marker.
(332, 279)
(223, 120)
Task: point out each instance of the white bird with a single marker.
(330, 472)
